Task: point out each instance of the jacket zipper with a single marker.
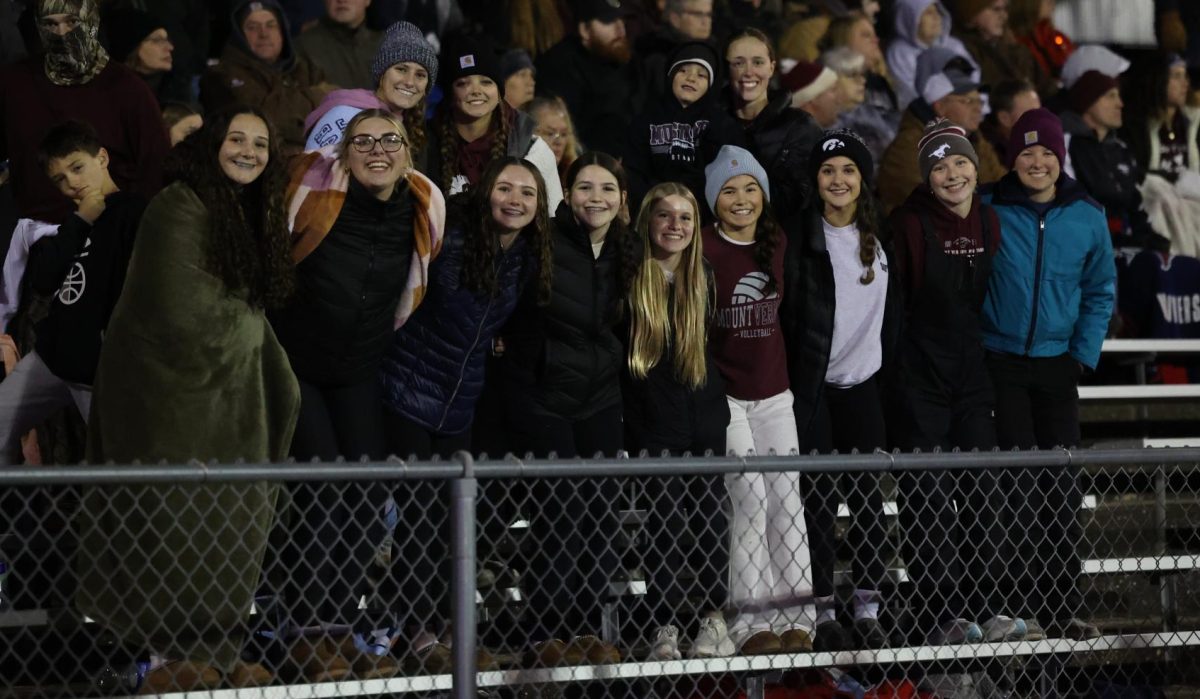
(466, 358)
(1037, 284)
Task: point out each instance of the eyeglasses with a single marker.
(966, 101)
(554, 135)
(389, 142)
(698, 14)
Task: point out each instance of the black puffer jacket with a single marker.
(807, 316)
(433, 372)
(564, 359)
(340, 322)
(781, 139)
(663, 413)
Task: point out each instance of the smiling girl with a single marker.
(364, 232)
(771, 587)
(838, 331)
(474, 126)
(405, 69)
(675, 402)
(945, 241)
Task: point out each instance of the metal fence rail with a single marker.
(632, 577)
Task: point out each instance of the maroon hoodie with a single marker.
(958, 236)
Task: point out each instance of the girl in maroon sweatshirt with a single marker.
(945, 238)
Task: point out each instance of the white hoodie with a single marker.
(902, 52)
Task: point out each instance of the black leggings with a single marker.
(846, 419)
(333, 530)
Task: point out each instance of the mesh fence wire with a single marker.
(959, 583)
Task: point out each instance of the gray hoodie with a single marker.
(902, 52)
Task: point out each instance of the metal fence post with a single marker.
(462, 528)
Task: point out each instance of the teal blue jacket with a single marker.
(1053, 280)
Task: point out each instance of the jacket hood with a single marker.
(237, 38)
(1010, 192)
(908, 18)
(358, 98)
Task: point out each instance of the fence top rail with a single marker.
(513, 467)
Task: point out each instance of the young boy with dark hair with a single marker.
(83, 266)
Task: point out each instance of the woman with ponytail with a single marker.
(475, 126)
(675, 402)
(771, 585)
(837, 321)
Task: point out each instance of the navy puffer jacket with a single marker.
(433, 371)
(564, 359)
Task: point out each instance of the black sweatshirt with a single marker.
(84, 268)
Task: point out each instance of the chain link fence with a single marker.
(867, 576)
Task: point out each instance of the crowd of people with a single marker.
(351, 229)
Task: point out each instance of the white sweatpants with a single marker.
(770, 566)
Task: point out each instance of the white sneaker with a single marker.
(666, 644)
(712, 640)
(1003, 628)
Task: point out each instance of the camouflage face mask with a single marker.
(74, 57)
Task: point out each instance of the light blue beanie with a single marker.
(730, 162)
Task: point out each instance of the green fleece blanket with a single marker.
(187, 371)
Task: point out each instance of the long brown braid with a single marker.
(866, 219)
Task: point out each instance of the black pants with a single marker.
(573, 524)
(954, 523)
(333, 530)
(846, 419)
(1037, 404)
(422, 534)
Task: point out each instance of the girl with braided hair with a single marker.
(474, 126)
(837, 316)
(771, 583)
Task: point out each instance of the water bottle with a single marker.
(5, 600)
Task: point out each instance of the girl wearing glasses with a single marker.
(365, 228)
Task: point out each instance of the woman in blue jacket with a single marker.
(1049, 301)
(497, 241)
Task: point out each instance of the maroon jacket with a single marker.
(958, 236)
(117, 103)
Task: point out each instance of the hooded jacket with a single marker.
(904, 48)
(809, 304)
(286, 91)
(781, 139)
(564, 359)
(672, 143)
(1107, 171)
(958, 236)
(1053, 281)
(326, 124)
(433, 371)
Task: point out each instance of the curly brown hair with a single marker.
(503, 118)
(248, 245)
(479, 269)
(629, 252)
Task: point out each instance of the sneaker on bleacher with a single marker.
(712, 640)
(955, 632)
(666, 643)
(1002, 628)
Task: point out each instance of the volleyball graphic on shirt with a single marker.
(750, 289)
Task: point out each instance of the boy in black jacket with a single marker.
(83, 266)
(681, 131)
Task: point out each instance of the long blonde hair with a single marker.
(651, 331)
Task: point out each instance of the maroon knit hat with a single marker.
(810, 79)
(1037, 127)
(1090, 87)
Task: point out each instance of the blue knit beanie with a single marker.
(730, 162)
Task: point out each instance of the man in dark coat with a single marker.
(591, 73)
